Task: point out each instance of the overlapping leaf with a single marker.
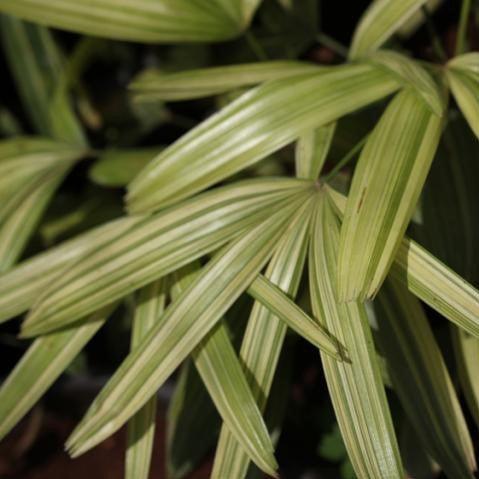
(463, 78)
(149, 21)
(379, 22)
(37, 67)
(256, 124)
(184, 324)
(156, 85)
(420, 377)
(42, 364)
(263, 342)
(356, 388)
(431, 280)
(224, 378)
(158, 245)
(312, 148)
(141, 427)
(386, 185)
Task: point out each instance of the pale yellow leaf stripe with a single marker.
(386, 185)
(356, 389)
(379, 22)
(157, 85)
(224, 378)
(420, 377)
(41, 365)
(156, 246)
(263, 341)
(150, 21)
(431, 280)
(185, 322)
(150, 303)
(256, 124)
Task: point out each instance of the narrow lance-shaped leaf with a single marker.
(224, 378)
(253, 126)
(37, 66)
(22, 285)
(379, 22)
(157, 246)
(420, 378)
(42, 364)
(356, 388)
(312, 148)
(141, 427)
(157, 85)
(431, 281)
(465, 87)
(149, 21)
(386, 185)
(184, 324)
(263, 342)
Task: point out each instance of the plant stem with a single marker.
(333, 44)
(346, 158)
(436, 42)
(255, 46)
(462, 30)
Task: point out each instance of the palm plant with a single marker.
(197, 236)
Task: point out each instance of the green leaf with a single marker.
(466, 350)
(465, 88)
(386, 185)
(312, 148)
(379, 22)
(37, 68)
(22, 285)
(431, 281)
(224, 378)
(263, 341)
(157, 85)
(274, 299)
(258, 123)
(158, 245)
(150, 304)
(148, 21)
(42, 364)
(116, 168)
(468, 62)
(356, 388)
(185, 323)
(420, 378)
(411, 74)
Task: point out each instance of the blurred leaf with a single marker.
(379, 22)
(159, 21)
(420, 378)
(386, 185)
(263, 342)
(465, 87)
(258, 123)
(411, 74)
(312, 148)
(42, 364)
(150, 304)
(157, 85)
(158, 245)
(37, 68)
(185, 323)
(356, 388)
(116, 168)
